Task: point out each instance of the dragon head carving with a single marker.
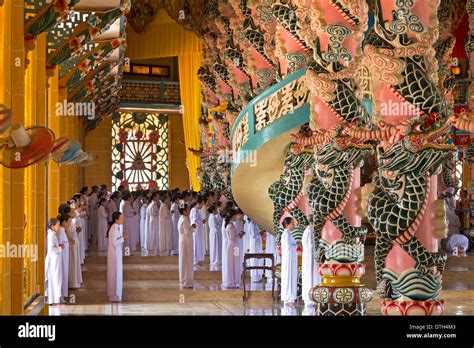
(404, 157)
(339, 153)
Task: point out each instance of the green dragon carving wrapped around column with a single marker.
(400, 55)
(287, 191)
(330, 188)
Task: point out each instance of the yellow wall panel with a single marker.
(99, 142)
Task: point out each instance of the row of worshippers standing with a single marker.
(151, 220)
(289, 264)
(66, 247)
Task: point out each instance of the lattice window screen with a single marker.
(140, 150)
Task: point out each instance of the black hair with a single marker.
(120, 188)
(114, 195)
(164, 196)
(153, 195)
(84, 190)
(126, 195)
(115, 217)
(230, 214)
(103, 186)
(286, 221)
(102, 200)
(64, 209)
(182, 208)
(211, 209)
(63, 218)
(52, 222)
(199, 200)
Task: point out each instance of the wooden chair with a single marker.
(246, 268)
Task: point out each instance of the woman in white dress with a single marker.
(114, 205)
(186, 248)
(114, 258)
(310, 276)
(215, 243)
(64, 223)
(75, 272)
(255, 247)
(197, 224)
(175, 215)
(102, 225)
(231, 253)
(153, 224)
(143, 226)
(166, 227)
(53, 264)
(289, 263)
(135, 235)
(81, 212)
(239, 224)
(92, 204)
(128, 216)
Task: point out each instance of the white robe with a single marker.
(310, 272)
(143, 229)
(85, 219)
(93, 218)
(198, 234)
(224, 251)
(112, 209)
(63, 239)
(457, 241)
(186, 251)
(153, 231)
(174, 220)
(231, 253)
(166, 231)
(255, 247)
(80, 223)
(75, 273)
(114, 263)
(271, 248)
(289, 267)
(215, 243)
(53, 269)
(102, 226)
(239, 228)
(205, 226)
(135, 224)
(128, 225)
(246, 237)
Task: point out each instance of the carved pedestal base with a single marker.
(412, 308)
(341, 292)
(339, 309)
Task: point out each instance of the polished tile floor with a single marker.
(157, 278)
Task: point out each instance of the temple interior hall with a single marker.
(236, 157)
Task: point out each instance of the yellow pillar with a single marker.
(63, 169)
(53, 123)
(5, 174)
(17, 175)
(40, 169)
